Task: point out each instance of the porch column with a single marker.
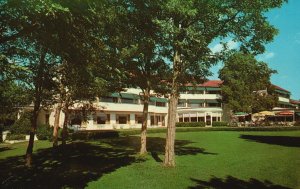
(148, 120)
(113, 118)
(132, 119)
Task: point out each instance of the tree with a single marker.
(138, 53)
(245, 84)
(189, 27)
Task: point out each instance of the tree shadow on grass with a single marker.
(156, 145)
(232, 182)
(277, 140)
(2, 149)
(72, 166)
(79, 163)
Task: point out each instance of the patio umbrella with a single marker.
(266, 113)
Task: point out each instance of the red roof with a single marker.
(212, 83)
(279, 88)
(294, 101)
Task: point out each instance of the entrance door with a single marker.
(208, 120)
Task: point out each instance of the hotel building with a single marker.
(201, 103)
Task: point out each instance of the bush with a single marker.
(15, 137)
(44, 132)
(22, 125)
(297, 123)
(219, 124)
(190, 124)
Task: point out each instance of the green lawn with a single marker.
(207, 159)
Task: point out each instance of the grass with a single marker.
(219, 159)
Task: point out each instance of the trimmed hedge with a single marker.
(100, 134)
(190, 124)
(15, 136)
(219, 124)
(297, 123)
(44, 132)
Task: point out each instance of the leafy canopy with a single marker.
(245, 83)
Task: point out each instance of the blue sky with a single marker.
(283, 54)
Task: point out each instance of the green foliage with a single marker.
(219, 124)
(244, 80)
(297, 124)
(190, 124)
(22, 125)
(11, 136)
(44, 132)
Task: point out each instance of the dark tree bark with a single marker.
(56, 125)
(38, 83)
(143, 149)
(169, 160)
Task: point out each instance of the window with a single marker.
(161, 104)
(200, 119)
(213, 92)
(138, 119)
(186, 119)
(102, 118)
(195, 92)
(193, 119)
(123, 119)
(213, 104)
(127, 100)
(196, 105)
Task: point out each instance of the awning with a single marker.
(115, 95)
(195, 101)
(213, 89)
(267, 113)
(286, 113)
(156, 99)
(297, 113)
(125, 95)
(129, 96)
(240, 113)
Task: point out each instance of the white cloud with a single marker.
(266, 56)
(269, 55)
(232, 44)
(219, 47)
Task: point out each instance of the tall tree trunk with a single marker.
(32, 134)
(38, 93)
(64, 132)
(169, 160)
(56, 125)
(143, 149)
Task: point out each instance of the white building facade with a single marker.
(201, 103)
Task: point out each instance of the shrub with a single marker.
(44, 132)
(190, 124)
(219, 124)
(15, 137)
(297, 123)
(22, 125)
